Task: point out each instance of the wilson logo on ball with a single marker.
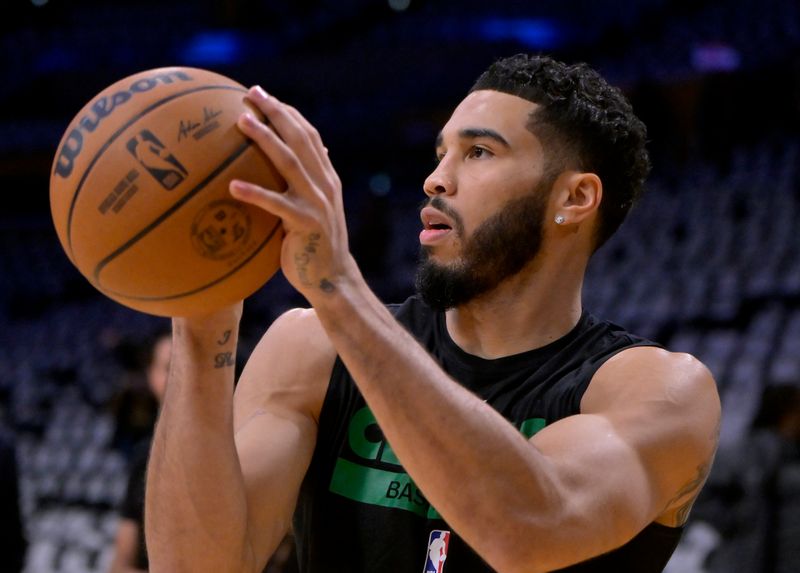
(103, 107)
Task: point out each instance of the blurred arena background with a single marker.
(709, 263)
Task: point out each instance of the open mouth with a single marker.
(435, 225)
(433, 219)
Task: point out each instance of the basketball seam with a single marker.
(119, 132)
(206, 286)
(166, 214)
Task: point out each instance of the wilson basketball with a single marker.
(139, 194)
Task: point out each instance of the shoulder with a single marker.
(292, 363)
(648, 371)
(298, 329)
(672, 389)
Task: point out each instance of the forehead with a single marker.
(507, 114)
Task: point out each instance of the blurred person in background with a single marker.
(135, 426)
(136, 419)
(13, 543)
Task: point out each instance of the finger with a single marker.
(327, 169)
(275, 202)
(314, 136)
(282, 156)
(287, 120)
(321, 166)
(289, 129)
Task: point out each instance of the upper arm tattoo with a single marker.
(688, 493)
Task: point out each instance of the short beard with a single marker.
(498, 249)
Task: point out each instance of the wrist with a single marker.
(330, 289)
(216, 334)
(208, 324)
(204, 350)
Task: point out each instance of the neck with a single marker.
(537, 306)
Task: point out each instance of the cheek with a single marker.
(483, 206)
(485, 191)
(471, 220)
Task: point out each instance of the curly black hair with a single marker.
(584, 122)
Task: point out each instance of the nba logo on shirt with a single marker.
(437, 551)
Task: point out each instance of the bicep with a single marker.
(274, 447)
(607, 491)
(276, 407)
(640, 451)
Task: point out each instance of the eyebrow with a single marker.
(476, 133)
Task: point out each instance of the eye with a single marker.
(476, 152)
(438, 156)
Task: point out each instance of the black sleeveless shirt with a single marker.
(359, 511)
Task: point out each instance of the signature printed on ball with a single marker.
(206, 126)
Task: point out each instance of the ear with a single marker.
(577, 196)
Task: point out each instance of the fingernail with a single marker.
(237, 188)
(249, 118)
(259, 91)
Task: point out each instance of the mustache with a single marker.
(441, 205)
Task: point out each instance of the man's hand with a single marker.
(315, 253)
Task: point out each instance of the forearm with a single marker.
(196, 512)
(474, 467)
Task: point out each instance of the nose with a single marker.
(439, 182)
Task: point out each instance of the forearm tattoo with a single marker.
(224, 359)
(303, 259)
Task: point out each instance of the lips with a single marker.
(435, 225)
(435, 219)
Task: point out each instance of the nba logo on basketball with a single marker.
(154, 156)
(437, 551)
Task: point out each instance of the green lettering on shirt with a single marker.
(383, 486)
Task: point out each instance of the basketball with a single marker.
(139, 194)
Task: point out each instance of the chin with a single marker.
(444, 256)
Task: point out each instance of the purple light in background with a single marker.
(715, 57)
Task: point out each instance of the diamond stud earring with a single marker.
(560, 219)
